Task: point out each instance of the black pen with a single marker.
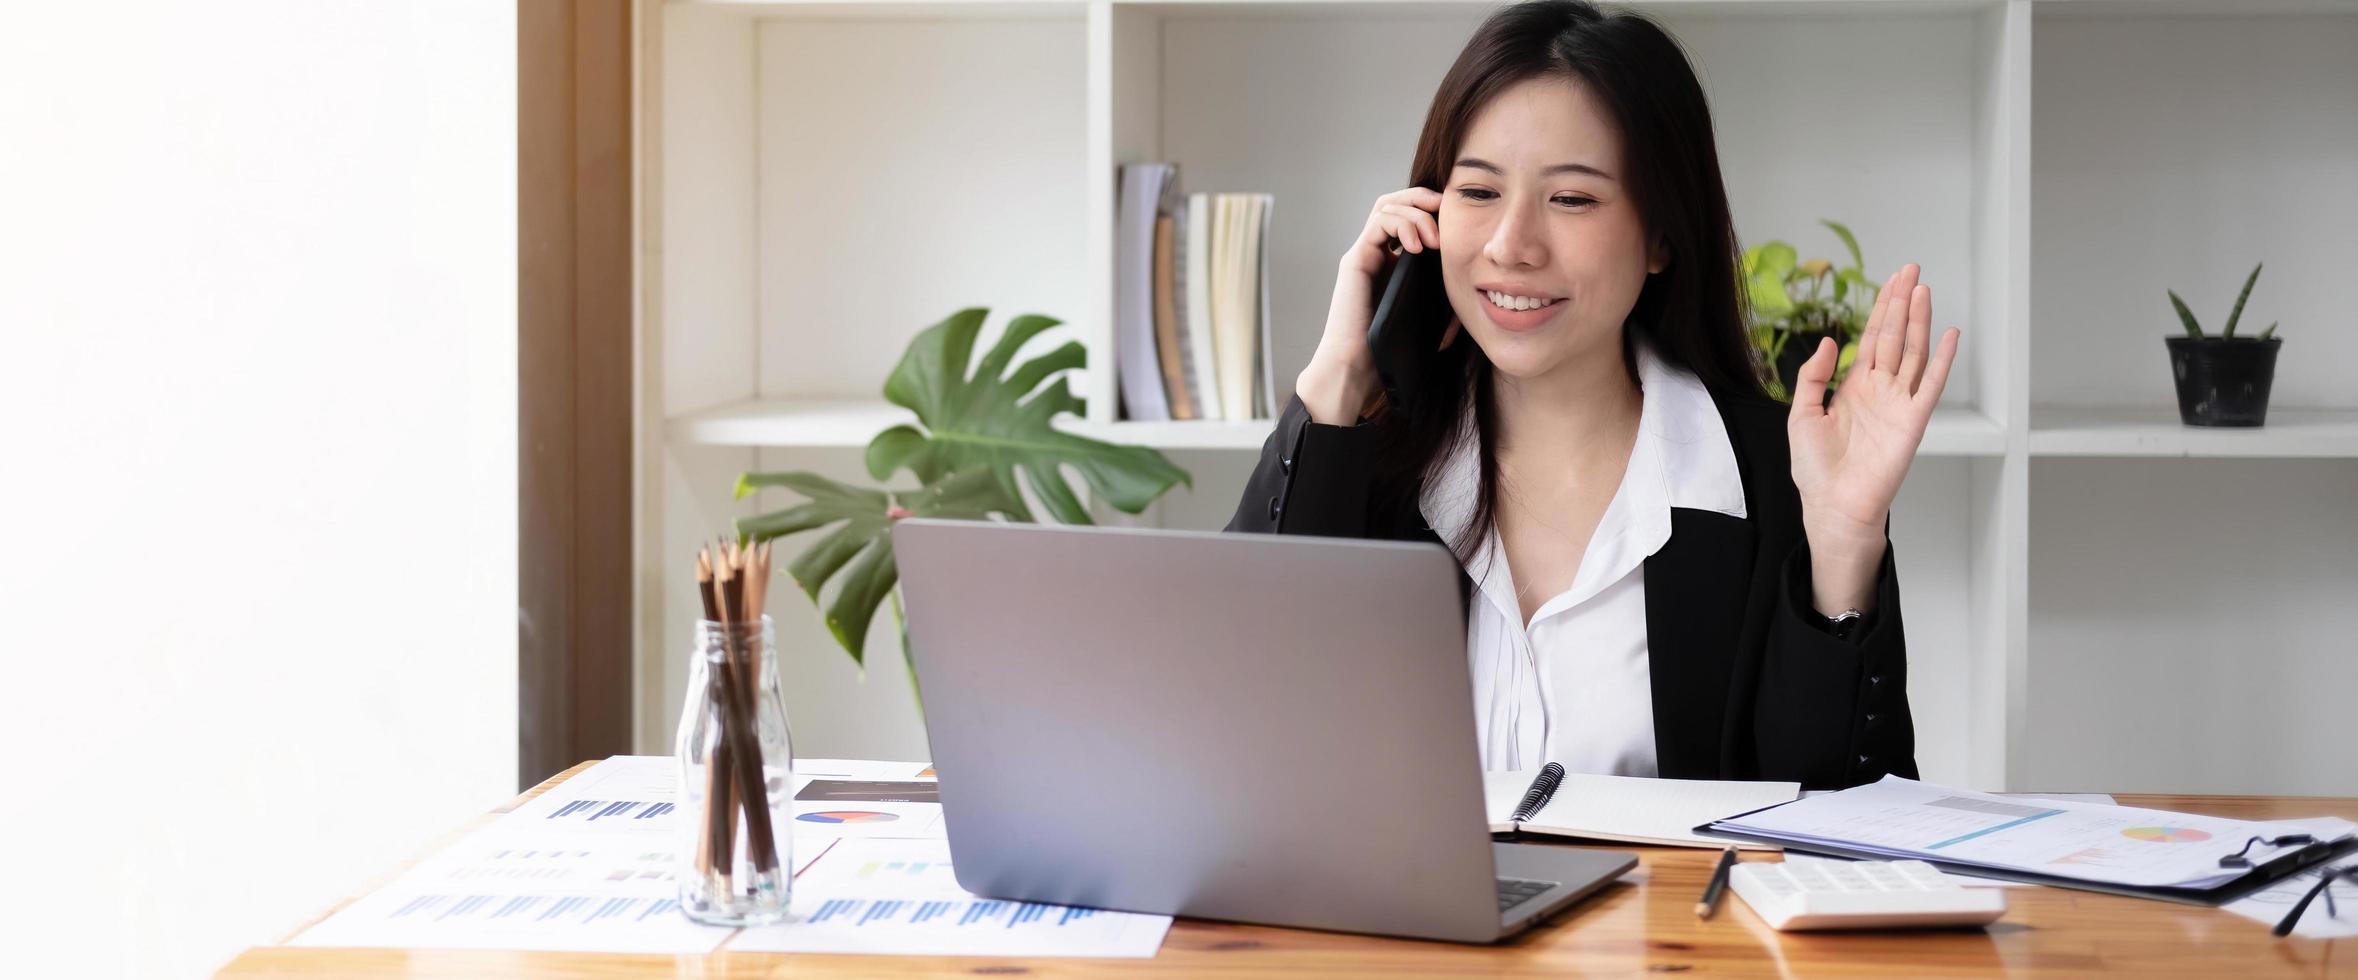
(1719, 883)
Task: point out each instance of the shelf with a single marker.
(1358, 9)
(912, 10)
(1962, 431)
(1186, 435)
(836, 423)
(2211, 9)
(825, 423)
(812, 423)
(2073, 430)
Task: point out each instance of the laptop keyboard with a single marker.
(1516, 891)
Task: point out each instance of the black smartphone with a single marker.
(1410, 315)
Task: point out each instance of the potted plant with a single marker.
(1794, 302)
(975, 432)
(2223, 380)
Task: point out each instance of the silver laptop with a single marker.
(1262, 728)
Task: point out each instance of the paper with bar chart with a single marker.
(1903, 818)
(902, 896)
(625, 792)
(833, 798)
(560, 888)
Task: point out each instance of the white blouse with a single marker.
(1574, 687)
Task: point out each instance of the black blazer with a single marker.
(1748, 684)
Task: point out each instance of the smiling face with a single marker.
(1536, 215)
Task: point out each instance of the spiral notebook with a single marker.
(1633, 809)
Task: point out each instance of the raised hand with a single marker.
(1849, 458)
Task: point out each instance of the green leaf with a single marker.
(2270, 332)
(894, 448)
(2237, 312)
(1766, 267)
(1004, 423)
(1842, 359)
(2184, 315)
(863, 520)
(799, 518)
(1848, 241)
(932, 371)
(1859, 296)
(863, 589)
(980, 438)
(809, 485)
(811, 569)
(1019, 331)
(900, 621)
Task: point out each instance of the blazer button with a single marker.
(1864, 759)
(1873, 680)
(1871, 716)
(1285, 464)
(1273, 508)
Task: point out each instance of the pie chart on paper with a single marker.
(2166, 835)
(847, 816)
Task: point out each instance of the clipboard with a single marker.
(2259, 876)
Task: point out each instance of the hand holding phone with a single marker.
(1407, 328)
(1342, 380)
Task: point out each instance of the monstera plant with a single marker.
(982, 436)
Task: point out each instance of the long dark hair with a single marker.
(1691, 311)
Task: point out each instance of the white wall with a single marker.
(257, 515)
(2193, 623)
(2176, 153)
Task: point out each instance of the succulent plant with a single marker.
(2194, 330)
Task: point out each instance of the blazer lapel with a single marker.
(1696, 591)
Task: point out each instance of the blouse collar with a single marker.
(1682, 458)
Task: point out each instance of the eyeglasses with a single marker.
(2237, 860)
(2325, 886)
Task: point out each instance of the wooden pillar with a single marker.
(574, 297)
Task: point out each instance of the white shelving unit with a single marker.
(2072, 430)
(817, 423)
(824, 180)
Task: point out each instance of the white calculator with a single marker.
(1861, 895)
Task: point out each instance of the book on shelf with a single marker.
(1195, 303)
(1263, 203)
(1140, 377)
(1191, 327)
(1166, 324)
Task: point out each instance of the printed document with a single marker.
(1903, 818)
(557, 888)
(902, 896)
(832, 798)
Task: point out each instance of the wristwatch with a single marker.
(1843, 623)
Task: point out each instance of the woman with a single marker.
(1668, 573)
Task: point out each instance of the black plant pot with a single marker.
(1796, 352)
(2223, 381)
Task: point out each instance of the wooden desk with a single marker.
(1645, 924)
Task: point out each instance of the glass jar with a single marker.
(735, 863)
